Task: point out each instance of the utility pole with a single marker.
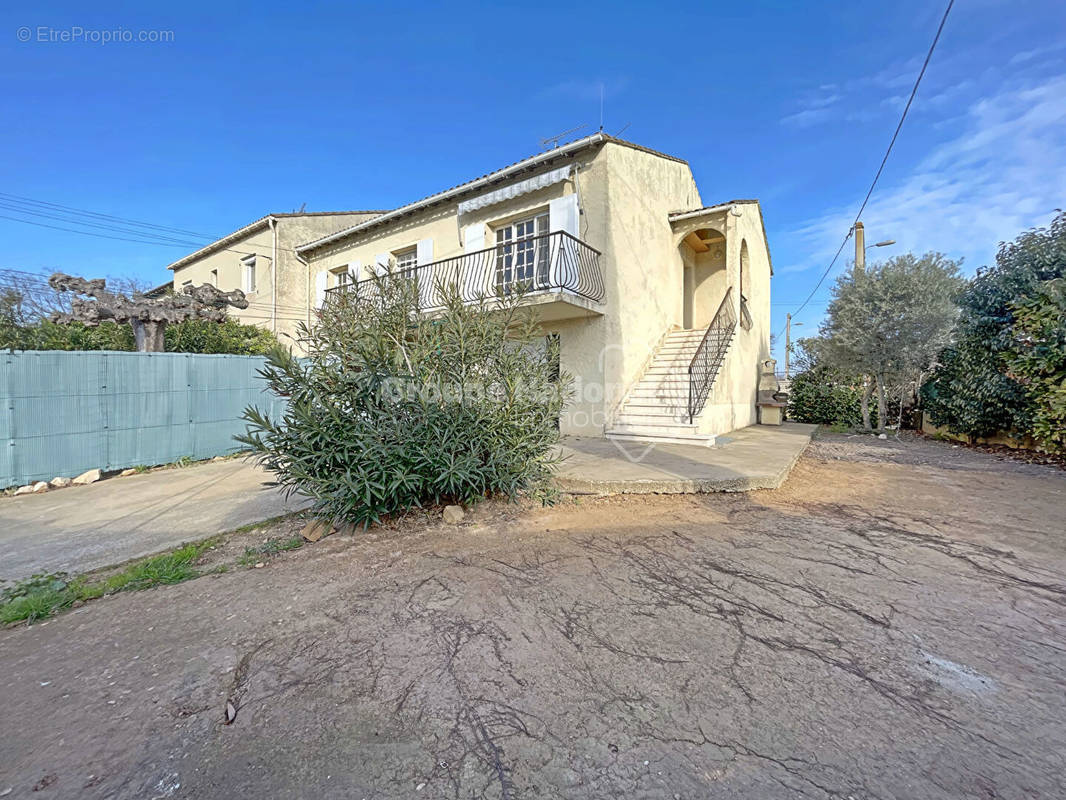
(788, 340)
(860, 248)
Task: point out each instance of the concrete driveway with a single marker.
(887, 625)
(86, 527)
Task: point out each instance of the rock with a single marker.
(27, 489)
(316, 529)
(127, 472)
(59, 483)
(453, 514)
(882, 436)
(40, 487)
(87, 477)
(219, 458)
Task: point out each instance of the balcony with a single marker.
(557, 272)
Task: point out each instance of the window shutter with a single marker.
(424, 251)
(563, 215)
(474, 238)
(321, 282)
(381, 264)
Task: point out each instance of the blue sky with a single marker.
(350, 106)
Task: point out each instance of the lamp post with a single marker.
(788, 339)
(861, 247)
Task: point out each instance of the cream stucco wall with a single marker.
(731, 402)
(626, 196)
(283, 310)
(581, 336)
(645, 279)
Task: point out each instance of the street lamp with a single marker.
(788, 339)
(861, 248)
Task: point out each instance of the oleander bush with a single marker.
(393, 409)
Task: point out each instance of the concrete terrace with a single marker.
(756, 457)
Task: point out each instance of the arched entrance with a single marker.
(703, 256)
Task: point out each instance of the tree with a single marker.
(974, 391)
(888, 322)
(148, 317)
(1037, 361)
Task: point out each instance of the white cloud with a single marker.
(1002, 170)
(807, 117)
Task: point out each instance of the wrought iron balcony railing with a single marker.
(549, 262)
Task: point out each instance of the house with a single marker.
(661, 303)
(261, 259)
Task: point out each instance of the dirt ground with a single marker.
(888, 624)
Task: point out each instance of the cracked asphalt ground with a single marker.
(889, 624)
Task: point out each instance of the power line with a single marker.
(90, 233)
(880, 169)
(57, 206)
(40, 209)
(106, 226)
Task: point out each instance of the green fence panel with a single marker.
(67, 412)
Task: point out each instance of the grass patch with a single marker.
(42, 595)
(269, 549)
(264, 523)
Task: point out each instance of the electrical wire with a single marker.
(880, 169)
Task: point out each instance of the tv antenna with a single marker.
(552, 142)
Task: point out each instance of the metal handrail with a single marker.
(533, 264)
(703, 368)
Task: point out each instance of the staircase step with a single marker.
(656, 407)
(628, 419)
(678, 435)
(643, 397)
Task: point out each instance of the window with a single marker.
(248, 267)
(214, 278)
(406, 261)
(343, 278)
(522, 254)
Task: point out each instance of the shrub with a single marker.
(977, 389)
(1038, 361)
(394, 409)
(204, 336)
(825, 396)
(192, 336)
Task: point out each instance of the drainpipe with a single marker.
(307, 271)
(273, 223)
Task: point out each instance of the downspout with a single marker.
(307, 271)
(273, 223)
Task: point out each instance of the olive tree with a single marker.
(889, 322)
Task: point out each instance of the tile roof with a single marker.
(537, 159)
(222, 243)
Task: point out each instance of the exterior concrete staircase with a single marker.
(656, 408)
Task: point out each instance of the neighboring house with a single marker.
(260, 259)
(159, 291)
(661, 304)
